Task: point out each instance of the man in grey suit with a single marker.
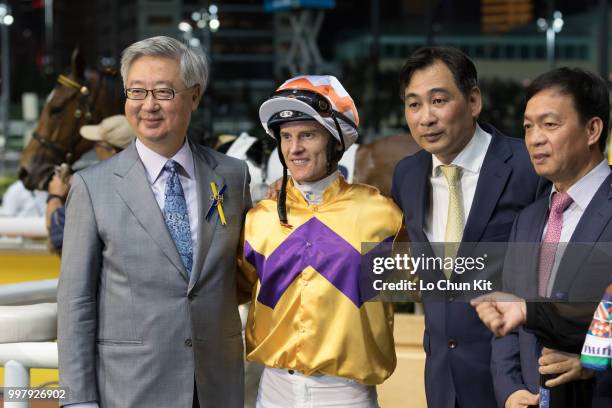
(147, 302)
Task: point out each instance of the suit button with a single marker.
(188, 343)
(451, 299)
(452, 344)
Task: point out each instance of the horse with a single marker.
(255, 152)
(375, 161)
(79, 98)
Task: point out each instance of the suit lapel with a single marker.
(596, 215)
(591, 225)
(133, 188)
(492, 180)
(417, 185)
(205, 174)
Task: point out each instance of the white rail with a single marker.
(31, 227)
(24, 343)
(30, 355)
(27, 293)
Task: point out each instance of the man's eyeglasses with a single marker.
(161, 94)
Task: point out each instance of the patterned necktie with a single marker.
(176, 215)
(559, 203)
(455, 219)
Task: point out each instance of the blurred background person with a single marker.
(18, 201)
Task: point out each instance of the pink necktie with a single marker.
(560, 202)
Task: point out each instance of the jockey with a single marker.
(309, 323)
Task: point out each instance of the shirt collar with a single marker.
(332, 193)
(472, 156)
(313, 191)
(583, 191)
(154, 162)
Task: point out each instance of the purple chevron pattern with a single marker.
(311, 244)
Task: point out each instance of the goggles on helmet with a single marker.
(313, 99)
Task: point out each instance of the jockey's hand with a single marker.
(58, 187)
(273, 189)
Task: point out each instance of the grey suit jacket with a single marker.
(134, 330)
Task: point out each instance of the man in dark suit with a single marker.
(566, 120)
(466, 185)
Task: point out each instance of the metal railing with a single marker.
(28, 331)
(28, 293)
(30, 227)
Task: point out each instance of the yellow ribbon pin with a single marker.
(218, 201)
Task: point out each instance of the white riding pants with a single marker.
(280, 388)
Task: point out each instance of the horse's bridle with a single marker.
(60, 153)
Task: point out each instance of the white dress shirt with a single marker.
(582, 192)
(470, 159)
(154, 165)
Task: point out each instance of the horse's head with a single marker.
(74, 102)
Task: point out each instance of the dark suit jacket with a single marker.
(457, 344)
(583, 275)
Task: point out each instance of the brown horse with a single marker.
(375, 161)
(77, 99)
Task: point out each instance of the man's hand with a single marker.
(58, 190)
(500, 312)
(567, 365)
(273, 189)
(58, 187)
(522, 399)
